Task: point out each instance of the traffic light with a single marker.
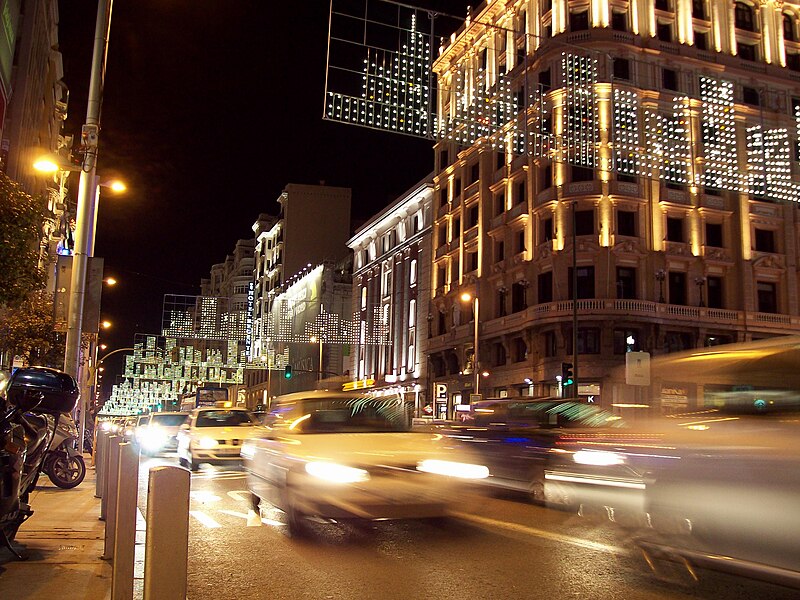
(567, 378)
(287, 372)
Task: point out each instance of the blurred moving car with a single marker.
(722, 481)
(522, 439)
(160, 432)
(348, 455)
(214, 435)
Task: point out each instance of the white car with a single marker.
(339, 455)
(215, 435)
(160, 432)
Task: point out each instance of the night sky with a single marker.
(210, 108)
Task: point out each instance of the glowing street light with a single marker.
(105, 324)
(110, 281)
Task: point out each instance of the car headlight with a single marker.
(105, 426)
(598, 458)
(207, 443)
(336, 473)
(454, 469)
(152, 438)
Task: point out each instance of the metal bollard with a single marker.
(110, 498)
(100, 471)
(167, 542)
(106, 479)
(125, 535)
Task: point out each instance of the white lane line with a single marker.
(204, 519)
(237, 495)
(253, 520)
(204, 496)
(549, 535)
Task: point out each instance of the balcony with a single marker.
(582, 188)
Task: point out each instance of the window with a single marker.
(714, 291)
(499, 251)
(669, 79)
(499, 204)
(456, 187)
(520, 192)
(622, 68)
(363, 297)
(549, 343)
(701, 40)
(751, 96)
(547, 229)
(674, 229)
(584, 222)
(627, 177)
(441, 234)
(545, 287)
(443, 159)
(619, 21)
(472, 261)
(520, 350)
(744, 17)
(519, 244)
(474, 172)
(746, 51)
(626, 282)
(582, 173)
(547, 177)
(626, 223)
(675, 341)
(788, 28)
(585, 283)
(793, 61)
(412, 272)
(698, 10)
(500, 307)
(440, 278)
(519, 300)
(677, 288)
(544, 80)
(472, 216)
(663, 5)
(765, 240)
(664, 31)
(456, 228)
(500, 160)
(767, 297)
(442, 196)
(579, 21)
(588, 341)
(714, 235)
(626, 340)
(499, 352)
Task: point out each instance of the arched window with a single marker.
(744, 17)
(788, 28)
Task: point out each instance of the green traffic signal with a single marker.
(287, 372)
(567, 377)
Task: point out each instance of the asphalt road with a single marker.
(498, 547)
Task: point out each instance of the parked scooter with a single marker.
(64, 464)
(26, 433)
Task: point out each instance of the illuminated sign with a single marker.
(360, 384)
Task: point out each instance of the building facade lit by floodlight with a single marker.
(671, 130)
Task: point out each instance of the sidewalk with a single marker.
(63, 541)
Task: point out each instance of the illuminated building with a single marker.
(670, 128)
(391, 256)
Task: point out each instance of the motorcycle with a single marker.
(34, 401)
(64, 464)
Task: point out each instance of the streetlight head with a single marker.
(106, 324)
(45, 165)
(466, 297)
(313, 339)
(103, 346)
(485, 374)
(116, 186)
(110, 281)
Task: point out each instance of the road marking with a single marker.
(237, 495)
(549, 535)
(253, 520)
(219, 475)
(204, 519)
(204, 496)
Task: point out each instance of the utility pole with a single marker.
(574, 303)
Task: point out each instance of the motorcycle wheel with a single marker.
(66, 472)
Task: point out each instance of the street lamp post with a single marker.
(661, 275)
(466, 297)
(701, 281)
(87, 201)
